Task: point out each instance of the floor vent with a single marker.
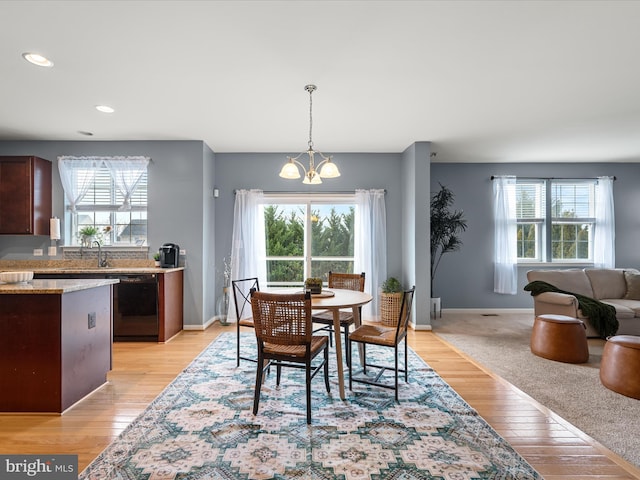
(489, 314)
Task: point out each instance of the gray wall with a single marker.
(179, 211)
(236, 171)
(415, 247)
(182, 210)
(465, 278)
(404, 176)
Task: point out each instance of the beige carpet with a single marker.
(501, 344)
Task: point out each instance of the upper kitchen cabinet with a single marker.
(25, 195)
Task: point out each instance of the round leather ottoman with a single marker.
(620, 366)
(560, 338)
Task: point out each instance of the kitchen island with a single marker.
(55, 342)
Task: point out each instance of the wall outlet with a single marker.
(53, 251)
(92, 320)
(37, 252)
(183, 252)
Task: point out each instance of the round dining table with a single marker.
(335, 299)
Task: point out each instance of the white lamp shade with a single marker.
(312, 178)
(290, 171)
(329, 170)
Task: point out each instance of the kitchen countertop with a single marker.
(84, 266)
(54, 286)
(105, 270)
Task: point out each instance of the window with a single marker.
(95, 196)
(555, 220)
(308, 237)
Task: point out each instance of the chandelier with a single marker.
(314, 175)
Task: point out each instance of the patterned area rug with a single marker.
(202, 427)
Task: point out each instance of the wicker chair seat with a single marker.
(375, 334)
(326, 317)
(246, 322)
(298, 351)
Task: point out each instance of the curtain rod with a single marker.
(556, 178)
(351, 192)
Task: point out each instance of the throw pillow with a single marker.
(633, 285)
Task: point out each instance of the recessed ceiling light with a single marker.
(37, 59)
(104, 109)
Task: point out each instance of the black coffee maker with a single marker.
(169, 255)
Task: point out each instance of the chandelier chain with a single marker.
(310, 117)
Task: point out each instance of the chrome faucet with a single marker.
(102, 262)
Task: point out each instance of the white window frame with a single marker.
(543, 220)
(138, 204)
(307, 200)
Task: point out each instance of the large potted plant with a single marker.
(446, 226)
(390, 301)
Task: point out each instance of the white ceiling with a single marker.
(484, 81)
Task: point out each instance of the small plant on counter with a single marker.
(88, 231)
(314, 284)
(156, 256)
(88, 235)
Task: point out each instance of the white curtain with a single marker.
(505, 277)
(604, 255)
(248, 249)
(76, 175)
(370, 243)
(126, 172)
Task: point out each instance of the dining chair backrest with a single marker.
(405, 314)
(348, 281)
(242, 296)
(282, 319)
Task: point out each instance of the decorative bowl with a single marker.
(16, 277)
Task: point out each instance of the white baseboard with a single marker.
(487, 310)
(206, 325)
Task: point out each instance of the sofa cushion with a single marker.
(633, 285)
(570, 280)
(607, 282)
(624, 308)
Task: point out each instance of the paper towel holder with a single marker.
(54, 228)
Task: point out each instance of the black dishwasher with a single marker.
(135, 308)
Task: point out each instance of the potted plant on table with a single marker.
(156, 258)
(313, 284)
(390, 301)
(446, 225)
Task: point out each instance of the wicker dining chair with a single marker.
(347, 281)
(244, 316)
(384, 337)
(285, 339)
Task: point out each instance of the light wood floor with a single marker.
(142, 370)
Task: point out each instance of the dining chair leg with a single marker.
(396, 365)
(350, 369)
(364, 358)
(237, 344)
(259, 378)
(326, 369)
(346, 345)
(406, 368)
(308, 365)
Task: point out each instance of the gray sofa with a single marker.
(618, 287)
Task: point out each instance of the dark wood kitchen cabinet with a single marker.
(25, 195)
